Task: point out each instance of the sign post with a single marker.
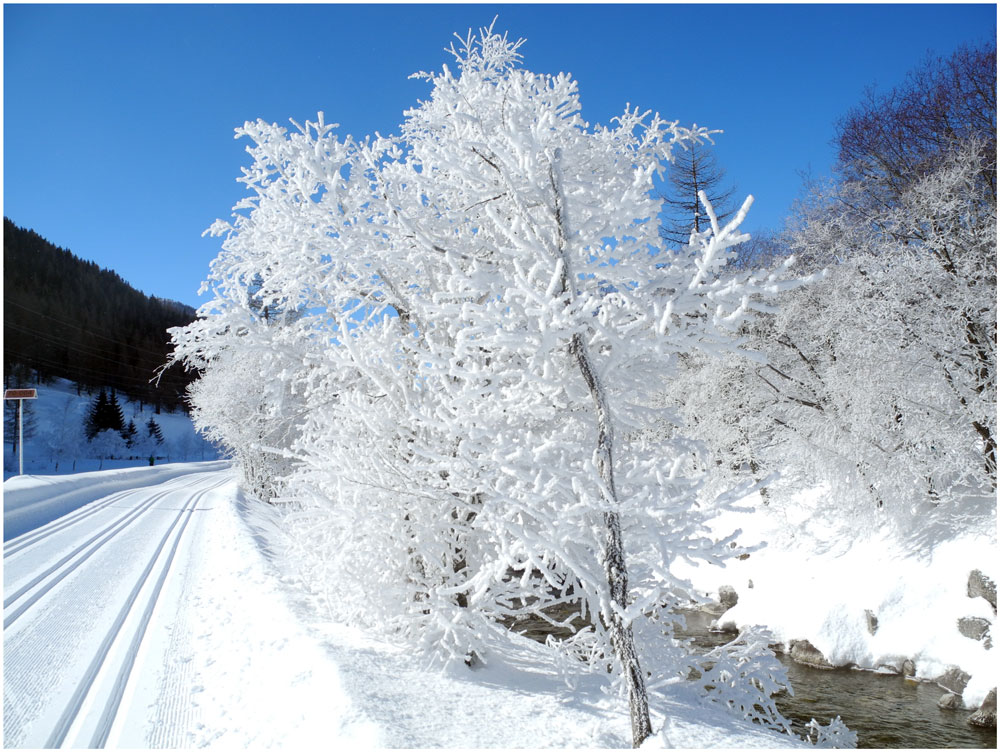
(20, 395)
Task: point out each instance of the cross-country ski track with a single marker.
(79, 596)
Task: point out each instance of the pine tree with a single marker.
(105, 413)
(55, 308)
(96, 415)
(115, 417)
(154, 430)
(129, 433)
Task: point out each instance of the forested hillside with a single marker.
(67, 317)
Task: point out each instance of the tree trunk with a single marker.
(989, 450)
(614, 554)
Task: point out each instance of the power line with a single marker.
(73, 346)
(106, 376)
(80, 329)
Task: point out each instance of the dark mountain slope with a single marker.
(67, 317)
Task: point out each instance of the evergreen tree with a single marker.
(105, 414)
(129, 433)
(96, 416)
(115, 417)
(69, 318)
(154, 430)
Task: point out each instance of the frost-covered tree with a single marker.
(241, 402)
(879, 380)
(918, 290)
(919, 167)
(893, 137)
(461, 400)
(108, 444)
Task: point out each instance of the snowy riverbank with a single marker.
(875, 598)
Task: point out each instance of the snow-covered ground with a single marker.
(150, 607)
(815, 579)
(54, 442)
(156, 617)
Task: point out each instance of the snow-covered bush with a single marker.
(834, 735)
(108, 444)
(481, 307)
(744, 676)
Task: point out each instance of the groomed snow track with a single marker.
(79, 595)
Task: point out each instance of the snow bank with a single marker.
(232, 665)
(805, 586)
(30, 501)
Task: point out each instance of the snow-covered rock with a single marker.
(981, 586)
(987, 714)
(975, 628)
(802, 651)
(728, 596)
(950, 701)
(954, 680)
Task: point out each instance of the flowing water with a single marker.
(885, 711)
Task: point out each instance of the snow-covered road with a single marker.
(79, 596)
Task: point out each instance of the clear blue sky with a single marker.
(118, 119)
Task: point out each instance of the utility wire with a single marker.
(104, 375)
(73, 346)
(80, 329)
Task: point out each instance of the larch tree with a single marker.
(693, 170)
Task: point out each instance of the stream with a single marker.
(885, 711)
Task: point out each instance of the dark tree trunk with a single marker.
(613, 551)
(613, 554)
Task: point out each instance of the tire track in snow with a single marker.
(111, 703)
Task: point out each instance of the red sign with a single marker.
(20, 394)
